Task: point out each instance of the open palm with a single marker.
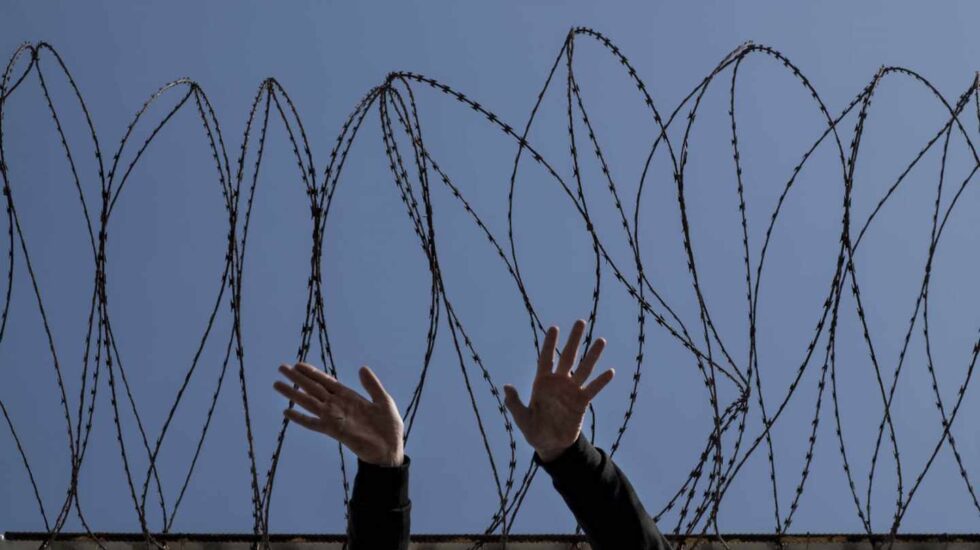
(552, 420)
(371, 429)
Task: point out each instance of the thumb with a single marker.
(373, 386)
(515, 406)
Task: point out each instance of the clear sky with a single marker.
(167, 243)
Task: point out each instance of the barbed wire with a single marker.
(411, 164)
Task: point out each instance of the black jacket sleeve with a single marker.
(602, 499)
(380, 510)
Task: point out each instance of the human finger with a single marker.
(515, 406)
(596, 385)
(373, 386)
(329, 382)
(304, 400)
(306, 421)
(570, 351)
(305, 382)
(547, 356)
(584, 369)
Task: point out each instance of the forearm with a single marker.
(602, 499)
(380, 510)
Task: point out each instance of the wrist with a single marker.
(547, 455)
(396, 460)
(391, 460)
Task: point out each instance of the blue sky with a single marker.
(166, 249)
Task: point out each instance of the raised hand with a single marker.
(553, 419)
(371, 429)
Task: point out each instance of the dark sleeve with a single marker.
(602, 499)
(380, 510)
